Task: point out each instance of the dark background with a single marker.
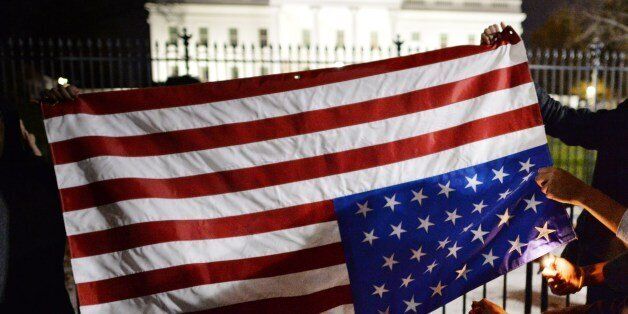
(127, 18)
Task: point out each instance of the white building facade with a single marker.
(335, 24)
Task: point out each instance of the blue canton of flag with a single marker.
(414, 247)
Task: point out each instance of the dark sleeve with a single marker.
(616, 273)
(582, 127)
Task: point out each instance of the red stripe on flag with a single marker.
(176, 96)
(190, 275)
(141, 234)
(307, 304)
(81, 148)
(110, 191)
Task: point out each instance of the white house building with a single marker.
(336, 24)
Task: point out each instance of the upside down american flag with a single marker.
(391, 186)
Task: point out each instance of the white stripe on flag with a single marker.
(278, 104)
(343, 309)
(295, 147)
(228, 293)
(168, 254)
(302, 192)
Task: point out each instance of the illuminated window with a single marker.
(203, 36)
(307, 37)
(173, 35)
(374, 40)
(263, 37)
(472, 39)
(233, 37)
(443, 40)
(340, 39)
(416, 36)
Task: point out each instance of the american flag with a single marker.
(391, 186)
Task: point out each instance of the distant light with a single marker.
(339, 64)
(62, 80)
(591, 92)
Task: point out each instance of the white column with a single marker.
(354, 26)
(314, 31)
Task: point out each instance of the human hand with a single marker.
(30, 139)
(562, 276)
(490, 33)
(485, 306)
(59, 94)
(560, 185)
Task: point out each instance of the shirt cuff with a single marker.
(622, 230)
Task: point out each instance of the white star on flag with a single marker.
(418, 196)
(370, 237)
(525, 166)
(502, 196)
(453, 250)
(411, 305)
(463, 272)
(389, 261)
(397, 231)
(430, 267)
(425, 224)
(473, 182)
(478, 207)
(503, 219)
(445, 189)
(364, 208)
(544, 232)
(441, 244)
(516, 246)
(380, 290)
(499, 175)
(465, 229)
(532, 203)
(406, 281)
(526, 178)
(438, 289)
(489, 258)
(386, 311)
(417, 254)
(478, 234)
(452, 216)
(391, 202)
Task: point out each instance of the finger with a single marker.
(68, 90)
(495, 28)
(503, 25)
(75, 91)
(541, 180)
(64, 93)
(485, 40)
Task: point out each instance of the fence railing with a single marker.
(582, 79)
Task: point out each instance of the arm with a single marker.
(561, 186)
(581, 127)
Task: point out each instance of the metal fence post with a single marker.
(398, 43)
(186, 49)
(596, 49)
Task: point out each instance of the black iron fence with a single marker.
(591, 79)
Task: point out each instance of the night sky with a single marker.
(127, 18)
